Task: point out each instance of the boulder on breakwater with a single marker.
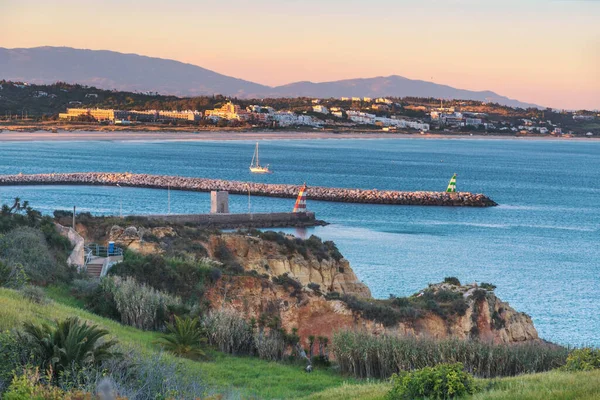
(370, 196)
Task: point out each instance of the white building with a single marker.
(361, 117)
(89, 95)
(367, 99)
(320, 109)
(338, 114)
(40, 93)
(473, 122)
(383, 100)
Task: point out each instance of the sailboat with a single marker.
(256, 168)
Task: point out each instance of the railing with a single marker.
(95, 250)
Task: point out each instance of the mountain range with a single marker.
(131, 72)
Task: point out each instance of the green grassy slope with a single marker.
(244, 375)
(251, 377)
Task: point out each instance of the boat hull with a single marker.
(255, 170)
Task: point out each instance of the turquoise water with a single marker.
(540, 246)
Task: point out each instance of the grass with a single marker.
(251, 377)
(553, 385)
(246, 376)
(365, 391)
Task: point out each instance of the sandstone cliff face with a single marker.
(273, 259)
(133, 238)
(488, 319)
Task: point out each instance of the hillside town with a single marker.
(67, 103)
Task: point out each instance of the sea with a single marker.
(540, 246)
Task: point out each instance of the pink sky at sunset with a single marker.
(539, 51)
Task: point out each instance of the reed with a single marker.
(364, 355)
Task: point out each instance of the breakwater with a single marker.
(235, 221)
(370, 196)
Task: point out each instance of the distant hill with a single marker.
(112, 70)
(392, 86)
(131, 72)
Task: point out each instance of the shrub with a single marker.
(479, 294)
(14, 354)
(228, 330)
(184, 338)
(444, 381)
(314, 287)
(380, 311)
(28, 247)
(139, 305)
(35, 294)
(367, 356)
(487, 286)
(332, 296)
(271, 346)
(586, 359)
(452, 280)
(28, 385)
(287, 282)
(98, 295)
(70, 343)
(13, 277)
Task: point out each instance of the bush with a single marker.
(68, 344)
(12, 277)
(315, 287)
(184, 278)
(444, 381)
(271, 346)
(98, 296)
(452, 280)
(487, 286)
(586, 359)
(139, 305)
(14, 354)
(367, 356)
(28, 247)
(287, 282)
(35, 294)
(227, 330)
(381, 312)
(184, 338)
(479, 295)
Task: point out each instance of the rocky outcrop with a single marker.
(487, 319)
(316, 310)
(272, 259)
(133, 237)
(345, 195)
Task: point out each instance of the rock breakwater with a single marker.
(343, 195)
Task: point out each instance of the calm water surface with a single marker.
(540, 246)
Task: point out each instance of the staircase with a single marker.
(94, 266)
(99, 259)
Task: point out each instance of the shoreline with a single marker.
(225, 135)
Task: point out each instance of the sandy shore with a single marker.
(16, 136)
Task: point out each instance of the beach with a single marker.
(85, 135)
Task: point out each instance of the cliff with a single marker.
(271, 259)
(440, 311)
(308, 285)
(487, 318)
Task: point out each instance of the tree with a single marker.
(185, 338)
(70, 343)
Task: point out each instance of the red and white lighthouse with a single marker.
(300, 205)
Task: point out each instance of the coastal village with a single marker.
(68, 104)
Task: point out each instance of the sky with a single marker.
(540, 51)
